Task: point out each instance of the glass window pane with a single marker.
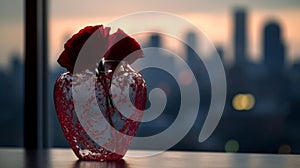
(258, 44)
(11, 72)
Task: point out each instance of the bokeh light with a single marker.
(232, 146)
(285, 149)
(243, 102)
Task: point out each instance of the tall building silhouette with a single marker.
(191, 39)
(17, 72)
(240, 36)
(191, 55)
(220, 52)
(273, 47)
(155, 40)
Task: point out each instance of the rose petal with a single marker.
(73, 46)
(121, 45)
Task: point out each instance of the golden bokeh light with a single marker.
(243, 102)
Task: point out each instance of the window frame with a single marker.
(36, 75)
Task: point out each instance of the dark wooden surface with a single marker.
(64, 158)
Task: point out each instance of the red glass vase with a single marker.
(84, 131)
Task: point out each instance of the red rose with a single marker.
(121, 45)
(116, 46)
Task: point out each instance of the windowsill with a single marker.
(17, 157)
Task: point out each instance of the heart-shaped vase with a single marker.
(92, 124)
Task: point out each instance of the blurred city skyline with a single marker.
(214, 19)
(262, 105)
(216, 26)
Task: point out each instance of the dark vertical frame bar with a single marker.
(36, 75)
(44, 14)
(31, 76)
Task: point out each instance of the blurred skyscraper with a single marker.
(191, 56)
(11, 102)
(240, 36)
(220, 51)
(155, 41)
(273, 47)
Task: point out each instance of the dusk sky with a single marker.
(213, 17)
